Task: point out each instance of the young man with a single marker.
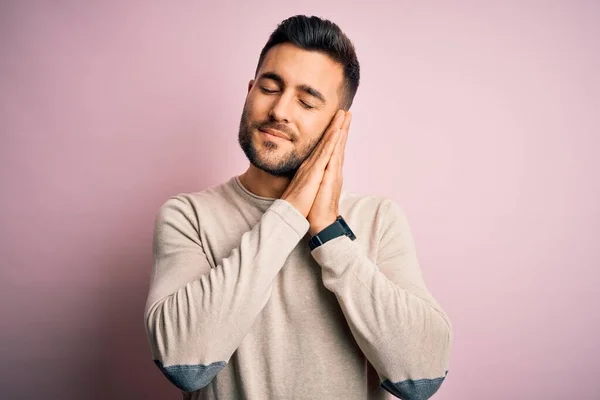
(279, 285)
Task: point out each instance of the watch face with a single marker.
(344, 224)
(346, 228)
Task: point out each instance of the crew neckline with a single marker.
(245, 192)
(239, 184)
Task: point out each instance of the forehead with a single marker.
(298, 66)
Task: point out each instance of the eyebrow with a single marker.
(303, 87)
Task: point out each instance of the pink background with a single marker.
(481, 119)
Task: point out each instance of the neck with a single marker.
(264, 184)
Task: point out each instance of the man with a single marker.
(279, 285)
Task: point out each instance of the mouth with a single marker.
(273, 134)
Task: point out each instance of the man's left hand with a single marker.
(325, 208)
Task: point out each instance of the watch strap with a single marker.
(338, 228)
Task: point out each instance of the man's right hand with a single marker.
(303, 188)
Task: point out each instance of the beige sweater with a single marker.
(240, 308)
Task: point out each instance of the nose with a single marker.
(281, 109)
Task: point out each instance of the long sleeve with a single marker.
(397, 323)
(196, 316)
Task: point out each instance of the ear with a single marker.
(250, 84)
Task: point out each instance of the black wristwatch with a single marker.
(336, 229)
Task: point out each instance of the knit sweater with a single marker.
(239, 307)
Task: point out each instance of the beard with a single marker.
(282, 165)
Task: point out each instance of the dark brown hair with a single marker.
(316, 34)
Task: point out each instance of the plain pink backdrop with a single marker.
(482, 119)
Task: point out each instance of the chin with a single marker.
(275, 165)
(269, 156)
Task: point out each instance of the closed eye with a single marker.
(265, 90)
(268, 91)
(305, 105)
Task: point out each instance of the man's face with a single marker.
(297, 93)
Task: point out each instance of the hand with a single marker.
(325, 208)
(303, 188)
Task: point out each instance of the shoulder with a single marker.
(373, 214)
(191, 206)
(370, 204)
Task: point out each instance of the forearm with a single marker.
(399, 327)
(201, 323)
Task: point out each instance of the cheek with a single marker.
(259, 105)
(313, 129)
(308, 139)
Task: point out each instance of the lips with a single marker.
(275, 133)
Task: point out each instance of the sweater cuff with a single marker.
(291, 216)
(336, 255)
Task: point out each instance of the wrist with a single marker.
(336, 229)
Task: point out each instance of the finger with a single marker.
(334, 125)
(321, 153)
(328, 140)
(340, 148)
(337, 153)
(332, 133)
(337, 120)
(347, 121)
(345, 137)
(328, 150)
